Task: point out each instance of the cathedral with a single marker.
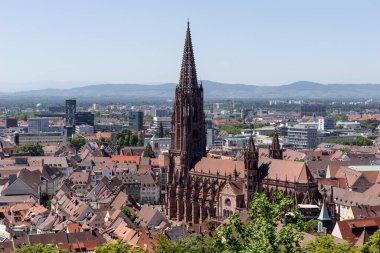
(200, 187)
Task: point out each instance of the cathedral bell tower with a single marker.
(251, 167)
(275, 150)
(188, 134)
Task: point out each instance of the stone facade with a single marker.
(199, 187)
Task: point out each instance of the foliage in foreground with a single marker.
(193, 243)
(262, 232)
(39, 248)
(326, 244)
(117, 247)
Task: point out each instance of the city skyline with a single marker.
(72, 44)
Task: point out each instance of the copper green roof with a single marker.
(324, 214)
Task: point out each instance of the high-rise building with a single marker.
(84, 118)
(136, 120)
(38, 125)
(160, 112)
(302, 137)
(325, 124)
(165, 121)
(11, 122)
(313, 110)
(71, 109)
(209, 134)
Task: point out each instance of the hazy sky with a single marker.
(255, 41)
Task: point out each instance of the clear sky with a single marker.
(260, 42)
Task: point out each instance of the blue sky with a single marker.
(255, 42)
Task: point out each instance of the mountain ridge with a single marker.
(214, 90)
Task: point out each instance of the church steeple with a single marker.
(251, 145)
(275, 151)
(251, 167)
(188, 77)
(188, 133)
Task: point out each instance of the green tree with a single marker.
(373, 244)
(141, 139)
(131, 216)
(77, 141)
(345, 150)
(127, 139)
(270, 228)
(166, 133)
(193, 243)
(340, 117)
(39, 248)
(134, 140)
(160, 132)
(362, 141)
(32, 149)
(164, 245)
(117, 247)
(311, 226)
(370, 124)
(326, 244)
(148, 151)
(233, 128)
(271, 133)
(24, 116)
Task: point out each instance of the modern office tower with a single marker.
(313, 110)
(161, 113)
(136, 120)
(71, 109)
(84, 130)
(325, 124)
(209, 134)
(11, 122)
(165, 121)
(38, 125)
(302, 136)
(84, 118)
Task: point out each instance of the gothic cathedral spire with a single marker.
(188, 77)
(251, 167)
(275, 151)
(188, 134)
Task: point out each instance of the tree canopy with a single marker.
(32, 149)
(148, 151)
(39, 248)
(362, 141)
(77, 141)
(262, 232)
(117, 247)
(326, 244)
(193, 243)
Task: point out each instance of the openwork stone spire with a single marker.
(251, 145)
(188, 137)
(188, 77)
(275, 151)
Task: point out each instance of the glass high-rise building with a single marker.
(136, 120)
(71, 109)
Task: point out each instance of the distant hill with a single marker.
(213, 90)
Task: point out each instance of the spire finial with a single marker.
(188, 24)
